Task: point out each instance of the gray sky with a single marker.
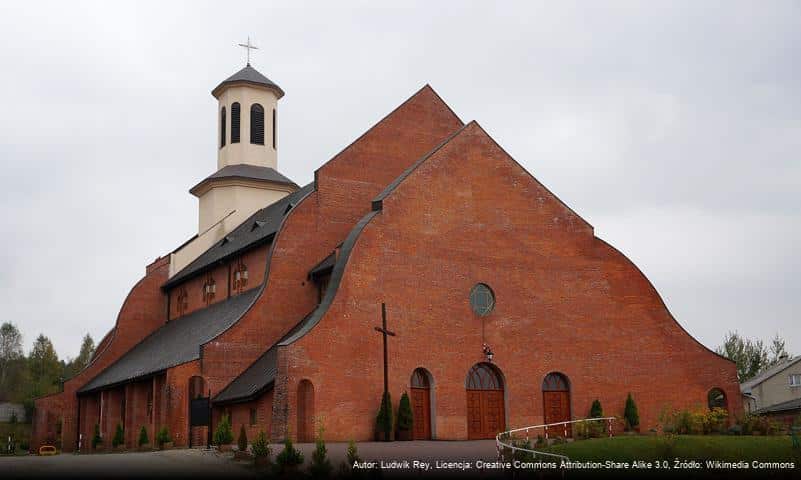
(675, 129)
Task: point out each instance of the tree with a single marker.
(595, 410)
(143, 439)
(223, 435)
(10, 351)
(320, 465)
(384, 418)
(43, 362)
(74, 366)
(119, 437)
(405, 416)
(242, 442)
(630, 413)
(751, 356)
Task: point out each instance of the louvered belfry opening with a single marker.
(257, 124)
(222, 127)
(235, 122)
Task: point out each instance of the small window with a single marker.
(795, 380)
(209, 290)
(182, 301)
(222, 127)
(716, 398)
(482, 299)
(275, 119)
(253, 417)
(235, 122)
(257, 124)
(240, 279)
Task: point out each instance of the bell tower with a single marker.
(246, 179)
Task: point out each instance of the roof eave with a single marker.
(279, 93)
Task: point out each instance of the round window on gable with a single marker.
(482, 299)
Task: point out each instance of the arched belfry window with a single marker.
(235, 122)
(257, 124)
(222, 127)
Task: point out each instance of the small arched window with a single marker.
(420, 379)
(257, 124)
(483, 376)
(235, 122)
(716, 398)
(555, 382)
(222, 127)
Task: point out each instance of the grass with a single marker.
(686, 447)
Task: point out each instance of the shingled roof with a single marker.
(177, 342)
(245, 172)
(257, 229)
(256, 378)
(248, 75)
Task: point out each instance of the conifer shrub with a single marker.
(119, 437)
(320, 465)
(595, 429)
(384, 418)
(96, 439)
(223, 435)
(261, 448)
(242, 441)
(405, 418)
(163, 436)
(595, 410)
(630, 414)
(143, 438)
(289, 458)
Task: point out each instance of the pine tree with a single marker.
(143, 438)
(630, 413)
(242, 441)
(384, 418)
(405, 416)
(119, 437)
(96, 439)
(595, 410)
(320, 465)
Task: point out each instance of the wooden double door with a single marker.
(421, 412)
(485, 413)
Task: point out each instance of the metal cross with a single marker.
(249, 47)
(384, 332)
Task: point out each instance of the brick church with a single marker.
(507, 310)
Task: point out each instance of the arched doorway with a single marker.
(556, 399)
(198, 412)
(485, 410)
(421, 404)
(305, 411)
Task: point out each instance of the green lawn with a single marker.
(690, 447)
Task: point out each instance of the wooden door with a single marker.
(421, 412)
(485, 413)
(557, 409)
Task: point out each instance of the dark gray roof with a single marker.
(248, 172)
(794, 404)
(177, 342)
(249, 75)
(748, 385)
(256, 378)
(257, 229)
(325, 265)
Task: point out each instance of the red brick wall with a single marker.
(177, 401)
(240, 415)
(345, 186)
(566, 302)
(143, 311)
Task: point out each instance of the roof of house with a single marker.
(246, 172)
(794, 404)
(176, 342)
(258, 377)
(257, 229)
(747, 386)
(249, 75)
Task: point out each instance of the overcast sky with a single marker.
(674, 129)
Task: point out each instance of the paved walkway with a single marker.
(197, 463)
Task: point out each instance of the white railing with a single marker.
(547, 428)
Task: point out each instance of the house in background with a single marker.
(8, 409)
(776, 391)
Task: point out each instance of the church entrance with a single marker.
(485, 409)
(305, 412)
(556, 401)
(421, 405)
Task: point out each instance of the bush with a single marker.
(405, 417)
(384, 418)
(352, 454)
(320, 465)
(242, 441)
(595, 410)
(223, 435)
(143, 438)
(260, 446)
(289, 457)
(163, 436)
(119, 437)
(96, 439)
(630, 414)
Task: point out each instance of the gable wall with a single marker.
(566, 302)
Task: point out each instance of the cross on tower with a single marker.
(248, 46)
(384, 332)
